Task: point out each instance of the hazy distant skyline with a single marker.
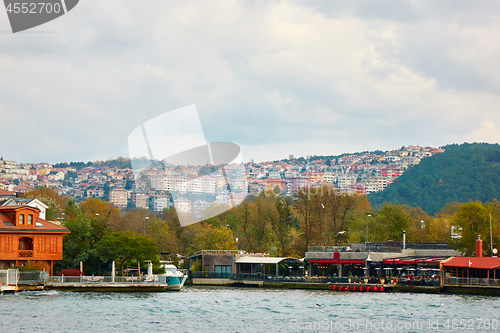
(275, 77)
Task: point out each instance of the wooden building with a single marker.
(25, 236)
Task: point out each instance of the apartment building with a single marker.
(118, 197)
(182, 205)
(346, 179)
(294, 184)
(139, 200)
(158, 203)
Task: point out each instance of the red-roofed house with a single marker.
(25, 236)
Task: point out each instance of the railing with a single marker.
(327, 248)
(419, 283)
(31, 277)
(268, 277)
(25, 253)
(107, 279)
(471, 281)
(378, 247)
(221, 251)
(9, 277)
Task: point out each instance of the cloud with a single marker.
(488, 132)
(276, 77)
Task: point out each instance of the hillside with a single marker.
(462, 173)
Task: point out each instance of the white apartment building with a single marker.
(376, 184)
(182, 205)
(329, 177)
(346, 179)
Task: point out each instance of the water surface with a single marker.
(199, 309)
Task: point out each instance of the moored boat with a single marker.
(175, 278)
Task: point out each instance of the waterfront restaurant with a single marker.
(261, 266)
(472, 271)
(378, 260)
(228, 263)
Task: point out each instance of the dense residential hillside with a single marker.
(467, 172)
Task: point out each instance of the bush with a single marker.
(70, 272)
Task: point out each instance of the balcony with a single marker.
(25, 254)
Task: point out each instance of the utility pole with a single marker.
(491, 238)
(366, 243)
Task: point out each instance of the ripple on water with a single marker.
(226, 309)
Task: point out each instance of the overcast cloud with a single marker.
(275, 77)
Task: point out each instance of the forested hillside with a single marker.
(466, 172)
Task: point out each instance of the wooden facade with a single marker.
(25, 236)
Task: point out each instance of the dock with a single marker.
(107, 287)
(106, 283)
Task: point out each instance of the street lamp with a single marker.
(338, 234)
(144, 230)
(366, 244)
(422, 225)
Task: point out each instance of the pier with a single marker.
(106, 283)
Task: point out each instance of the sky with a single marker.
(275, 77)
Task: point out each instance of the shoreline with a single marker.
(227, 283)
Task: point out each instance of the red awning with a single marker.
(473, 262)
(336, 261)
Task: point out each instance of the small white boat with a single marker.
(175, 278)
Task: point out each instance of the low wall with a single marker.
(214, 281)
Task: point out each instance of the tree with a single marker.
(282, 222)
(214, 239)
(108, 215)
(129, 184)
(389, 223)
(325, 211)
(472, 219)
(166, 238)
(51, 198)
(77, 246)
(128, 249)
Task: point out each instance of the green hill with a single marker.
(462, 173)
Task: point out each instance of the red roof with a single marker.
(5, 192)
(47, 226)
(473, 262)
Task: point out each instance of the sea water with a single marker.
(197, 309)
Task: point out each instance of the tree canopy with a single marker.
(463, 173)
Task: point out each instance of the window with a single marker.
(21, 219)
(41, 244)
(222, 271)
(30, 219)
(53, 244)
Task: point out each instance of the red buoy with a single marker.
(382, 288)
(375, 288)
(354, 288)
(361, 288)
(346, 289)
(367, 288)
